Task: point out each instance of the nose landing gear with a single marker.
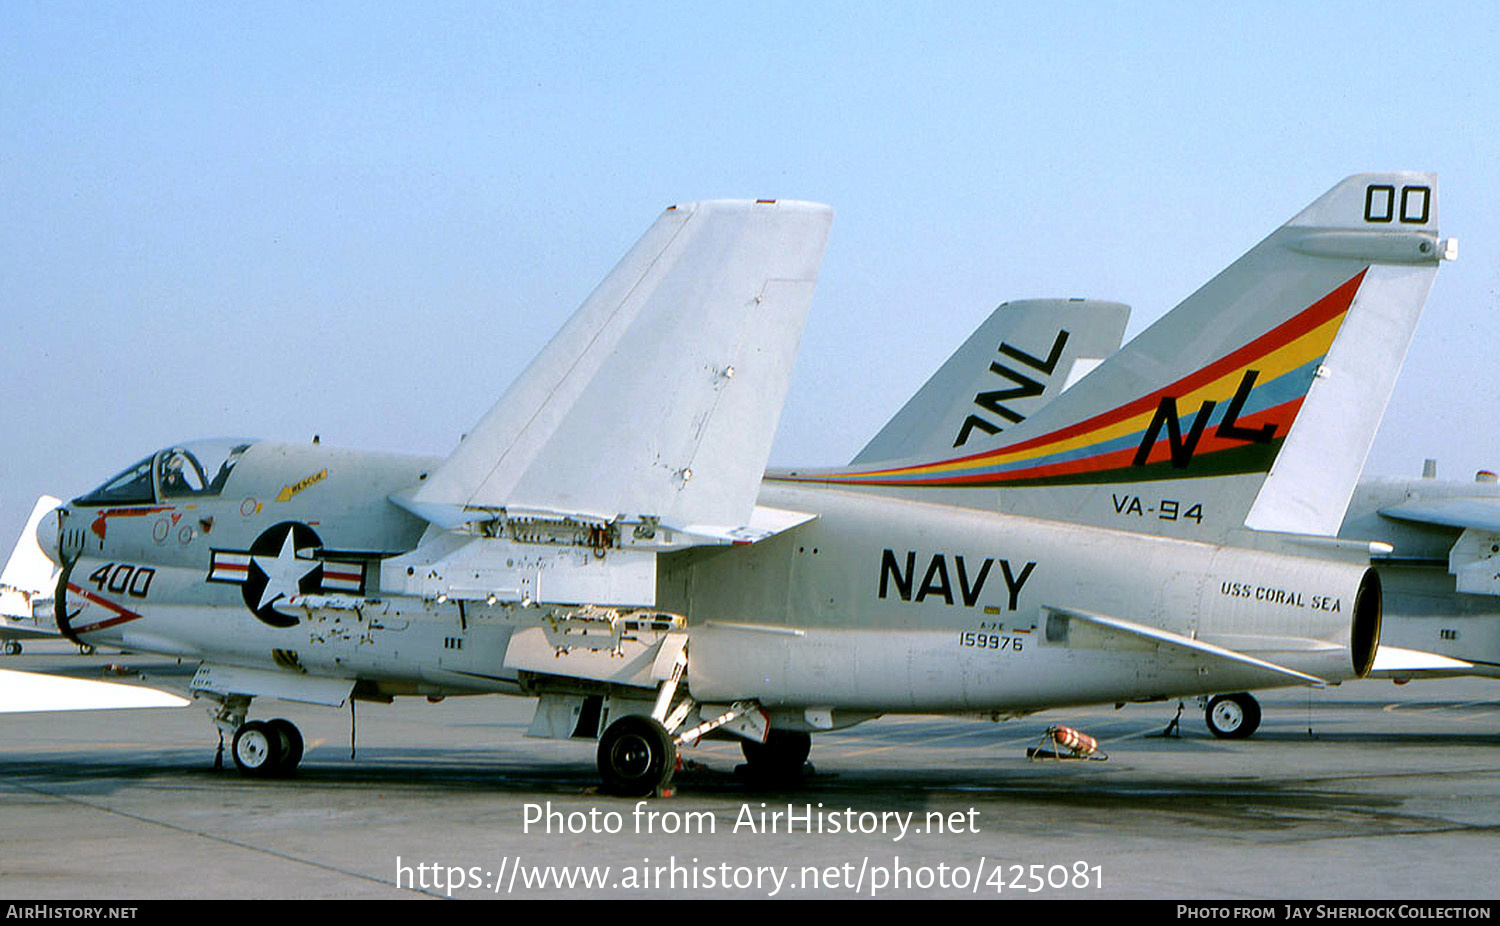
(1232, 716)
(260, 748)
(267, 748)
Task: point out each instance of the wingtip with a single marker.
(746, 205)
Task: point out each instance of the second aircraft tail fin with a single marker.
(29, 576)
(1021, 358)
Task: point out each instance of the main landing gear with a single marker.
(260, 748)
(1232, 716)
(638, 752)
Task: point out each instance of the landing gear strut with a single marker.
(1232, 716)
(638, 752)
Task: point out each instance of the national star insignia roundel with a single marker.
(285, 561)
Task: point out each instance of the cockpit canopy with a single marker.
(193, 470)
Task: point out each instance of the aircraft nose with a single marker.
(48, 534)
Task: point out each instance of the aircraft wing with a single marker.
(659, 399)
(1477, 513)
(26, 692)
(1474, 560)
(14, 630)
(1084, 629)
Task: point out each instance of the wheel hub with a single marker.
(254, 749)
(632, 756)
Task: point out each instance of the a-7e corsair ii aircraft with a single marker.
(603, 538)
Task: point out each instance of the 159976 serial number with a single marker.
(990, 641)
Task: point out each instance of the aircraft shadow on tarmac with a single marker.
(1157, 803)
(467, 770)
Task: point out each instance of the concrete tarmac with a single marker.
(1364, 791)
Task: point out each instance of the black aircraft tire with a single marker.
(782, 755)
(636, 757)
(257, 749)
(291, 743)
(1232, 716)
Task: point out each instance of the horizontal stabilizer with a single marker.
(1395, 662)
(1069, 627)
(658, 400)
(30, 692)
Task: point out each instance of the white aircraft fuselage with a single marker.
(879, 605)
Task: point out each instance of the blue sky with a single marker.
(361, 220)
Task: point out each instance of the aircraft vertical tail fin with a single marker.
(1017, 361)
(28, 575)
(1253, 403)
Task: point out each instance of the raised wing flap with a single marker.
(1069, 627)
(660, 397)
(764, 522)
